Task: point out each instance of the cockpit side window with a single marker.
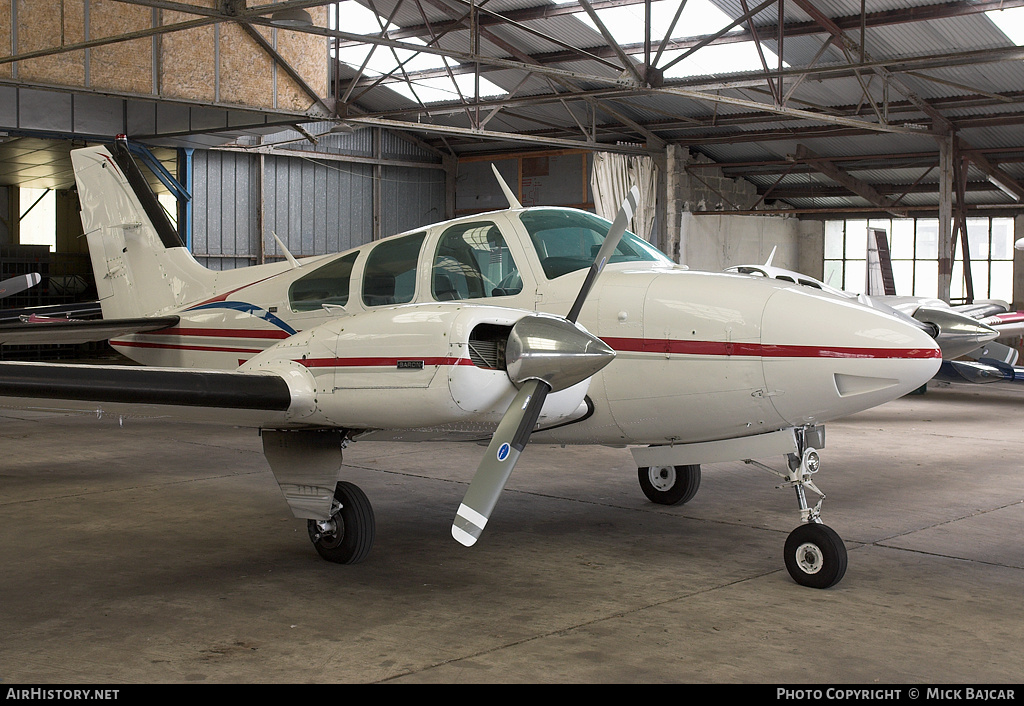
(472, 262)
(567, 240)
(390, 273)
(324, 285)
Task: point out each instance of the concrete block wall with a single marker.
(716, 239)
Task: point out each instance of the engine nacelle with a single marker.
(418, 366)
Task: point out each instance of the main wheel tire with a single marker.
(353, 527)
(669, 485)
(815, 555)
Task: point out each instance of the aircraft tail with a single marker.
(141, 266)
(879, 279)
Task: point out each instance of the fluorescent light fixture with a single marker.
(993, 179)
(292, 17)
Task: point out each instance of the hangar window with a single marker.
(914, 249)
(472, 262)
(567, 240)
(324, 285)
(390, 274)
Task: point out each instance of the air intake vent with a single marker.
(487, 346)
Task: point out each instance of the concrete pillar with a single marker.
(675, 161)
(811, 248)
(945, 216)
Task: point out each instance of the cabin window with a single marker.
(390, 273)
(472, 262)
(567, 240)
(324, 285)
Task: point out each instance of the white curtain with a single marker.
(613, 176)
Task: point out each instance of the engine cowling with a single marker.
(419, 366)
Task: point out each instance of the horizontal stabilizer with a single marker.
(69, 331)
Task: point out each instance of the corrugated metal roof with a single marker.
(927, 65)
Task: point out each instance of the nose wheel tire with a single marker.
(347, 536)
(815, 555)
(669, 485)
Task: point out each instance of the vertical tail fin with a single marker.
(140, 264)
(879, 278)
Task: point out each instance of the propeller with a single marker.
(544, 354)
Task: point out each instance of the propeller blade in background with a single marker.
(611, 242)
(506, 445)
(19, 284)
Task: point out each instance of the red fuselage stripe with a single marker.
(760, 350)
(621, 345)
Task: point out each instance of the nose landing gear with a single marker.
(815, 555)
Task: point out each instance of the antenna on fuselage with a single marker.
(768, 262)
(288, 256)
(513, 202)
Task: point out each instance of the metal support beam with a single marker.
(995, 175)
(857, 186)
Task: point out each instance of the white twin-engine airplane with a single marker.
(493, 326)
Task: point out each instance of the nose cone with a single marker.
(955, 333)
(551, 349)
(839, 357)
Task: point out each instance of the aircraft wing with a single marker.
(69, 331)
(227, 397)
(981, 371)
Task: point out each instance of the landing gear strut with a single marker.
(815, 555)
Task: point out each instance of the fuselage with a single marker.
(699, 355)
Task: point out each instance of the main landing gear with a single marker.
(669, 485)
(307, 466)
(347, 536)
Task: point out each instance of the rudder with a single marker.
(140, 264)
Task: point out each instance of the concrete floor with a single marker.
(166, 553)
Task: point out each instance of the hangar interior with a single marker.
(758, 123)
(782, 126)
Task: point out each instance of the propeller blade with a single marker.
(19, 284)
(611, 242)
(506, 445)
(575, 350)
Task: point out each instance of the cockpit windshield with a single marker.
(568, 240)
